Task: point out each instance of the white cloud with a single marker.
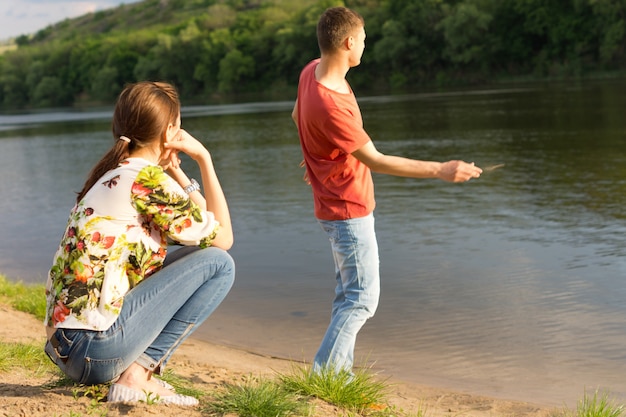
(22, 17)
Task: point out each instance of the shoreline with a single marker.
(210, 366)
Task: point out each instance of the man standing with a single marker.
(339, 157)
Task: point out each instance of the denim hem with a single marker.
(150, 364)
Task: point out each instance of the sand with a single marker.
(209, 367)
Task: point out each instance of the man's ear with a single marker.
(348, 43)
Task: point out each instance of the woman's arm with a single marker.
(213, 199)
(181, 178)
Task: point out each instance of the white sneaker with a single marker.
(122, 394)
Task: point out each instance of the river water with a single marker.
(511, 285)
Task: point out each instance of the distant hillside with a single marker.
(238, 49)
(128, 18)
(196, 44)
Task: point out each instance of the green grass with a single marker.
(258, 398)
(181, 385)
(29, 357)
(29, 298)
(358, 392)
(598, 405)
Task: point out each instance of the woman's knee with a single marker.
(224, 263)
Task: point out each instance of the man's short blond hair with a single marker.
(335, 25)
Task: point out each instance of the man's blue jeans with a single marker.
(157, 316)
(355, 252)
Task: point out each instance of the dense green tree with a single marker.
(609, 26)
(34, 73)
(13, 84)
(123, 57)
(50, 92)
(234, 68)
(409, 50)
(22, 40)
(105, 84)
(86, 58)
(295, 42)
(14, 93)
(213, 47)
(465, 31)
(228, 47)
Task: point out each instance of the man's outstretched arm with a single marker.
(451, 171)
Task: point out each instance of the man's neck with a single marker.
(331, 73)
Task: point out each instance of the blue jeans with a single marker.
(157, 316)
(355, 252)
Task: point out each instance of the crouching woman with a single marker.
(118, 305)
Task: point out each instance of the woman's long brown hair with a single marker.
(142, 114)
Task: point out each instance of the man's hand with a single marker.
(458, 171)
(305, 177)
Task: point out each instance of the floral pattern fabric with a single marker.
(116, 236)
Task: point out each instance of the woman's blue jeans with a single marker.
(355, 252)
(157, 316)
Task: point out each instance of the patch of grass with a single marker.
(29, 298)
(181, 385)
(30, 357)
(257, 398)
(598, 405)
(95, 393)
(356, 392)
(393, 411)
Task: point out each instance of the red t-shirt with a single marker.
(331, 128)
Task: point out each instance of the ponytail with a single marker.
(142, 114)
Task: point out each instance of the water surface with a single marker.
(510, 285)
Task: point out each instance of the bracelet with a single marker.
(194, 186)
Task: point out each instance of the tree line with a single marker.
(214, 49)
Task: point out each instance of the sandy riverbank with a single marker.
(209, 366)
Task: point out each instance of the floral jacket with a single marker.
(116, 236)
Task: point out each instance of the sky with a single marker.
(24, 17)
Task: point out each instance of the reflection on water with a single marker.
(509, 285)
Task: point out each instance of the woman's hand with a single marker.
(169, 157)
(170, 161)
(187, 144)
(213, 199)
